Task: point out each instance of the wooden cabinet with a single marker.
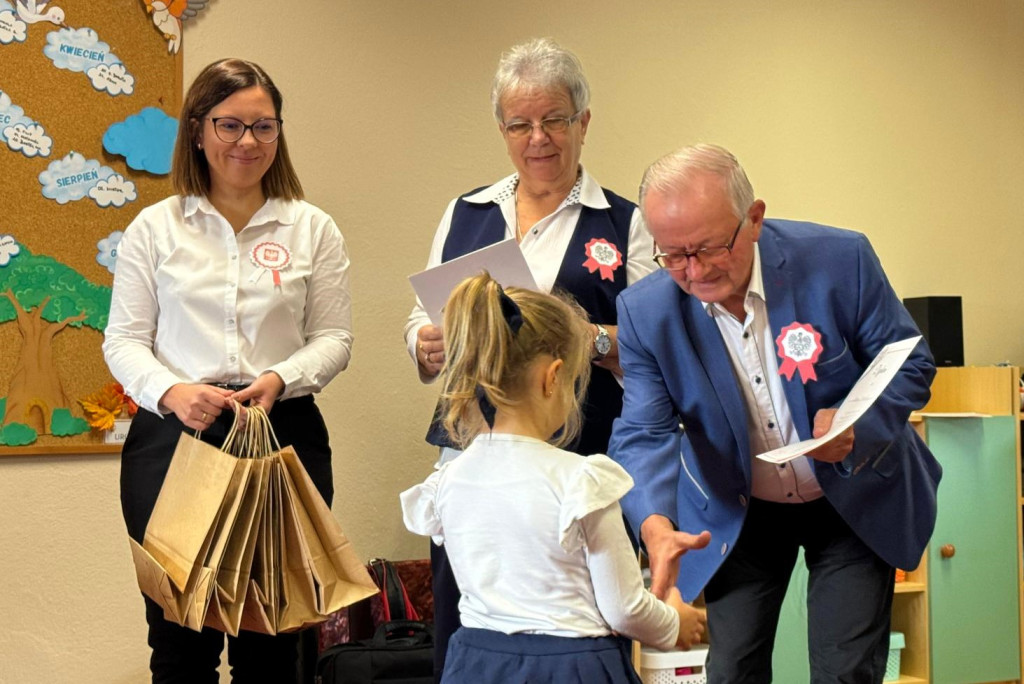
(961, 609)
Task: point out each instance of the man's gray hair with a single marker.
(540, 63)
(682, 166)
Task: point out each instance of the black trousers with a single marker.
(849, 597)
(181, 655)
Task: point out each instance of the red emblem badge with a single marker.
(603, 256)
(799, 346)
(270, 256)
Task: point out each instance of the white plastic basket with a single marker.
(674, 667)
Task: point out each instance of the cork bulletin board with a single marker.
(89, 97)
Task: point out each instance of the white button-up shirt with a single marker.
(769, 421)
(190, 304)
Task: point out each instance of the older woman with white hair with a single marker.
(575, 235)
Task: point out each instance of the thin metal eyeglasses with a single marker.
(705, 255)
(231, 130)
(550, 125)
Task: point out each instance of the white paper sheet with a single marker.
(503, 260)
(873, 381)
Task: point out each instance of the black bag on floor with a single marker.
(400, 652)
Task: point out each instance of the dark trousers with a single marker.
(849, 597)
(446, 605)
(180, 654)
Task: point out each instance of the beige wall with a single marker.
(901, 119)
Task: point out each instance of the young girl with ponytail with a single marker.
(551, 589)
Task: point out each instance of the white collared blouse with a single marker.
(192, 304)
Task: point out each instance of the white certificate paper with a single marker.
(869, 387)
(503, 260)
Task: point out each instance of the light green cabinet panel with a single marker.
(973, 595)
(789, 661)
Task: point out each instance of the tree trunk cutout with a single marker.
(36, 388)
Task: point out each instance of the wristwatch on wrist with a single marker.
(602, 343)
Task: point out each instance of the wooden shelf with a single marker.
(907, 679)
(909, 587)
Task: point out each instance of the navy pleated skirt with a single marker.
(480, 656)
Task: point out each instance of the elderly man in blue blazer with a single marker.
(750, 336)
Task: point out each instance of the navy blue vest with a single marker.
(478, 225)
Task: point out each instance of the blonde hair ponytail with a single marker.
(486, 355)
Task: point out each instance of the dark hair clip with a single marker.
(486, 407)
(511, 311)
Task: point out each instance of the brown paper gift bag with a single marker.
(317, 569)
(334, 560)
(225, 613)
(253, 545)
(188, 546)
(179, 531)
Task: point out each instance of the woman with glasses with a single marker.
(232, 290)
(576, 237)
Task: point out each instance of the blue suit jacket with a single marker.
(678, 375)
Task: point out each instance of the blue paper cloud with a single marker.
(145, 140)
(72, 177)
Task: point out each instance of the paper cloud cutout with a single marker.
(106, 253)
(11, 27)
(71, 178)
(82, 50)
(21, 133)
(114, 191)
(10, 114)
(9, 248)
(114, 79)
(145, 140)
(30, 140)
(77, 49)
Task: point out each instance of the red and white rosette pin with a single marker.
(799, 346)
(270, 256)
(603, 256)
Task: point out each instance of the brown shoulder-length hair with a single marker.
(190, 172)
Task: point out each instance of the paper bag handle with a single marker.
(250, 435)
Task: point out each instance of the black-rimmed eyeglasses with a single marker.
(231, 130)
(677, 261)
(550, 125)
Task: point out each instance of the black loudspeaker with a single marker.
(941, 321)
